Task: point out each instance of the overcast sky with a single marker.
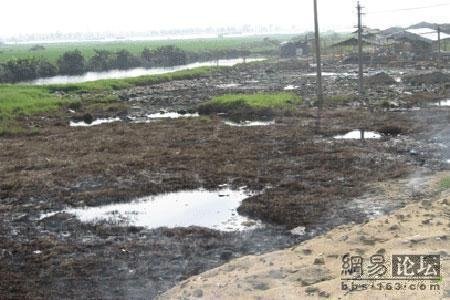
(38, 16)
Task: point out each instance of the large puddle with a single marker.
(359, 135)
(120, 74)
(95, 122)
(215, 209)
(135, 119)
(290, 87)
(443, 103)
(171, 115)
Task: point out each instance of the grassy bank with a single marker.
(25, 100)
(118, 84)
(445, 183)
(252, 104)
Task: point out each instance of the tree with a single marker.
(123, 59)
(46, 69)
(20, 70)
(37, 48)
(170, 56)
(102, 60)
(71, 62)
(147, 55)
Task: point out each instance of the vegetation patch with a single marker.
(119, 84)
(17, 100)
(445, 183)
(22, 100)
(25, 100)
(22, 64)
(252, 105)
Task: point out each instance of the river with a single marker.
(120, 74)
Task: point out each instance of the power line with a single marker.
(411, 8)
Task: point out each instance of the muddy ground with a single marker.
(311, 177)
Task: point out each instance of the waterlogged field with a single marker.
(302, 181)
(18, 100)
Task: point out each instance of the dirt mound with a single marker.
(392, 130)
(380, 78)
(430, 78)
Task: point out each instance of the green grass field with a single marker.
(23, 100)
(53, 51)
(445, 183)
(254, 44)
(258, 104)
(259, 100)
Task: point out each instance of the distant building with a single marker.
(412, 47)
(288, 50)
(294, 49)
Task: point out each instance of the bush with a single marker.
(71, 62)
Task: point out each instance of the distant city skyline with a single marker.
(22, 17)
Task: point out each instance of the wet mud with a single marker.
(310, 179)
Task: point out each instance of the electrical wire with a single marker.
(407, 9)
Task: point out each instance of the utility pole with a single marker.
(319, 65)
(360, 54)
(439, 48)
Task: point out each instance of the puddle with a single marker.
(95, 122)
(358, 134)
(249, 123)
(171, 115)
(443, 103)
(325, 74)
(228, 85)
(212, 209)
(404, 109)
(290, 87)
(135, 119)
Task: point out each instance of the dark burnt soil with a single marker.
(429, 78)
(310, 174)
(380, 79)
(311, 180)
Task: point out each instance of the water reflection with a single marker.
(120, 74)
(249, 123)
(359, 134)
(212, 209)
(443, 103)
(94, 123)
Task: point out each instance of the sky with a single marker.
(47, 16)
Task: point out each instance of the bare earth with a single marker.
(312, 269)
